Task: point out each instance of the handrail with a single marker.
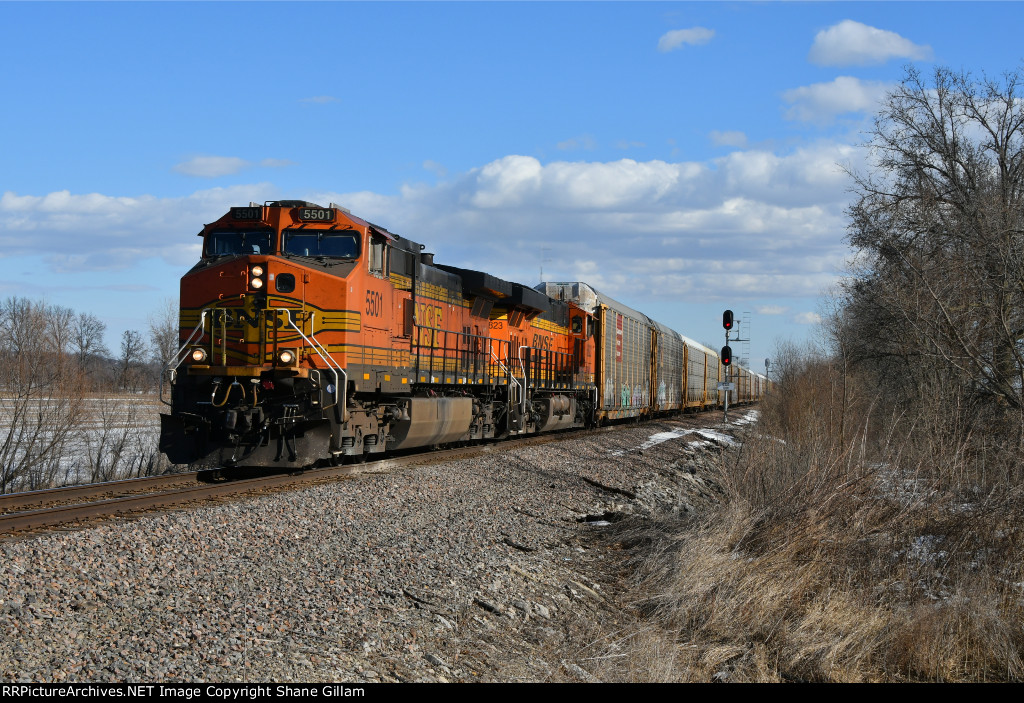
(511, 376)
(332, 365)
(522, 368)
(176, 360)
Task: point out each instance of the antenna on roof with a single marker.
(542, 261)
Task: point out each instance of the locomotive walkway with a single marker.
(488, 568)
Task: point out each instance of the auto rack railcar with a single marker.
(643, 366)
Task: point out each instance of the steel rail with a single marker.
(12, 501)
(71, 513)
(53, 516)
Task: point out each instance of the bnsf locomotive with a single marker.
(310, 334)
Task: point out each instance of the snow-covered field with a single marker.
(53, 442)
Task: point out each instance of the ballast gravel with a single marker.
(483, 569)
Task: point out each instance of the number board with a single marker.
(316, 214)
(247, 213)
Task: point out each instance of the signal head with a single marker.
(727, 319)
(726, 355)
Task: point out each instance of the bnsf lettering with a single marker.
(541, 342)
(428, 315)
(374, 303)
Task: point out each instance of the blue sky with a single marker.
(682, 157)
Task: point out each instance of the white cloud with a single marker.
(808, 176)
(101, 232)
(771, 309)
(774, 223)
(738, 139)
(822, 102)
(582, 142)
(853, 43)
(678, 38)
(770, 224)
(216, 166)
(434, 167)
(276, 163)
(807, 318)
(211, 166)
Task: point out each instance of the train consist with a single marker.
(309, 334)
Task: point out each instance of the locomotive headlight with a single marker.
(198, 355)
(286, 357)
(255, 276)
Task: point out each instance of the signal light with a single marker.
(726, 355)
(727, 319)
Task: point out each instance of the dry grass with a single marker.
(843, 552)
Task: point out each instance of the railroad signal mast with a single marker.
(728, 322)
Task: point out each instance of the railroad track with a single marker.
(78, 505)
(75, 505)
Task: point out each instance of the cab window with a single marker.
(237, 243)
(320, 243)
(377, 259)
(401, 262)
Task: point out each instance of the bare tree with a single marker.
(41, 399)
(163, 334)
(132, 357)
(59, 333)
(87, 341)
(118, 444)
(938, 299)
(50, 432)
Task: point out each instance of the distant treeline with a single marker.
(60, 421)
(44, 336)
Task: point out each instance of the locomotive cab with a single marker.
(252, 382)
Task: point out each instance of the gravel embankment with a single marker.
(477, 570)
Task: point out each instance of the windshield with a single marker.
(227, 243)
(337, 245)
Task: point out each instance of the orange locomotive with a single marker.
(309, 333)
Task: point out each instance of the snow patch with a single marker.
(750, 417)
(656, 438)
(710, 437)
(717, 437)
